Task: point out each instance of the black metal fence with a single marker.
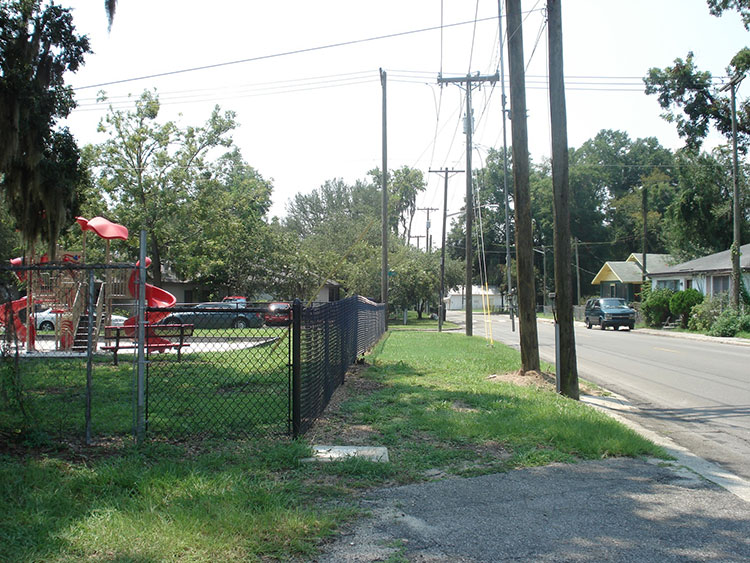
(229, 376)
(330, 336)
(189, 371)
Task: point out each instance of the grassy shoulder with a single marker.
(413, 322)
(441, 403)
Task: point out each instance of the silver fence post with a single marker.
(140, 385)
(89, 356)
(296, 368)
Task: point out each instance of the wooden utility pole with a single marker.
(441, 309)
(524, 240)
(384, 211)
(471, 82)
(416, 237)
(427, 234)
(578, 263)
(567, 366)
(644, 211)
(508, 274)
(736, 242)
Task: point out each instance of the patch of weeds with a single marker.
(371, 472)
(534, 457)
(400, 555)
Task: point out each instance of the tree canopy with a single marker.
(40, 170)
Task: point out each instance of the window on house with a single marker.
(719, 284)
(674, 285)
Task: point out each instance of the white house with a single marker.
(710, 275)
(491, 294)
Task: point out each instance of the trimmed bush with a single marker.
(656, 306)
(682, 302)
(727, 324)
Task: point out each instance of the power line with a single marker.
(288, 53)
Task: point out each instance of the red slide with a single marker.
(155, 297)
(11, 309)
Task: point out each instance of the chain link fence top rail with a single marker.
(332, 336)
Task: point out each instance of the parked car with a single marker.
(609, 311)
(234, 299)
(279, 314)
(217, 315)
(46, 320)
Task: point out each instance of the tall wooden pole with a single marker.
(384, 211)
(468, 279)
(508, 273)
(520, 142)
(441, 309)
(469, 80)
(567, 368)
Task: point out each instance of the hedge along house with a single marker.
(624, 279)
(711, 275)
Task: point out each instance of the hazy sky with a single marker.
(308, 94)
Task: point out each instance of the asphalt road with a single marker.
(694, 391)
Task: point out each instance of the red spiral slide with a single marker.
(155, 297)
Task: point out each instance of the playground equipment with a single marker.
(65, 290)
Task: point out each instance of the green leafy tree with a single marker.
(150, 170)
(40, 169)
(695, 223)
(404, 184)
(226, 242)
(416, 279)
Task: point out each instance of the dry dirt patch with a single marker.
(540, 380)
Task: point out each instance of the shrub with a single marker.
(704, 315)
(727, 324)
(656, 306)
(682, 302)
(745, 323)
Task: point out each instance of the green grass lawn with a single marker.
(427, 397)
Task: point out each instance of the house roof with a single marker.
(654, 262)
(714, 263)
(623, 272)
(475, 290)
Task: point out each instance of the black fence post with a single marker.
(296, 368)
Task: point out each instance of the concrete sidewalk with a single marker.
(611, 510)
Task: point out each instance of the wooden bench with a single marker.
(127, 333)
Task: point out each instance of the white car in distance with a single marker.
(46, 320)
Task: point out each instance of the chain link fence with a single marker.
(56, 383)
(224, 371)
(331, 336)
(77, 366)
